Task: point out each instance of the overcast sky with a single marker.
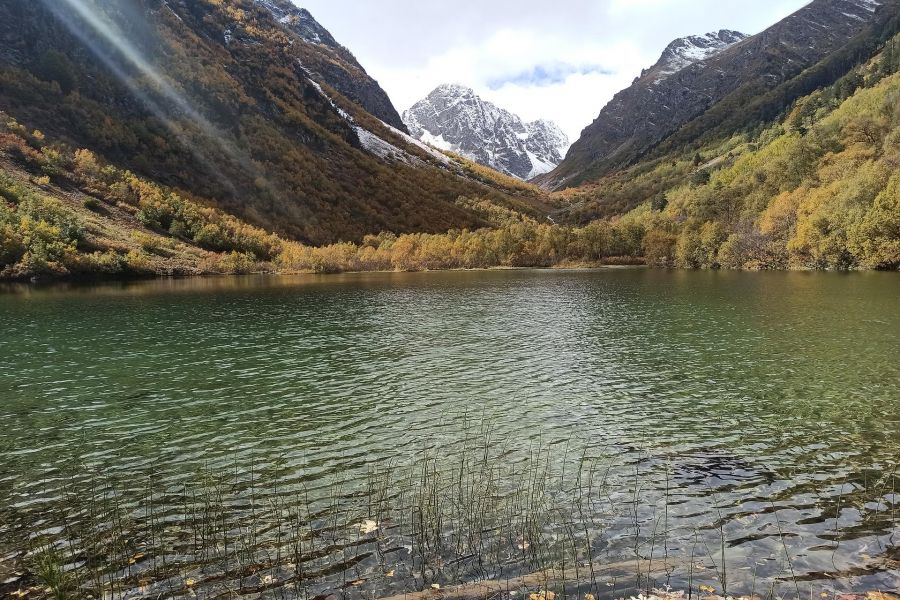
(560, 60)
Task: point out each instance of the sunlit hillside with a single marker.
(818, 188)
(225, 101)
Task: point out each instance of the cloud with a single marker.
(544, 75)
(562, 61)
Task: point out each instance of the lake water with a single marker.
(370, 435)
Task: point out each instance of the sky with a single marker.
(561, 60)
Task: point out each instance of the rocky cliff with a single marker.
(453, 117)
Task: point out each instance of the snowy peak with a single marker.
(453, 117)
(686, 51)
(454, 90)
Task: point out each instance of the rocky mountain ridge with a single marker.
(686, 51)
(453, 117)
(670, 95)
(334, 62)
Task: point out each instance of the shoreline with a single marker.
(97, 278)
(625, 264)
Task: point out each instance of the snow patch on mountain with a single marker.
(454, 118)
(440, 156)
(379, 147)
(437, 141)
(686, 51)
(869, 5)
(375, 144)
(337, 108)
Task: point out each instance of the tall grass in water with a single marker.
(518, 516)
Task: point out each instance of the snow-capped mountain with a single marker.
(454, 118)
(686, 51)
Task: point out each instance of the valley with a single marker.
(268, 334)
(310, 150)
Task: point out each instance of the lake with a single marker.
(370, 435)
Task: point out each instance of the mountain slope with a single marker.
(238, 102)
(660, 102)
(686, 51)
(817, 188)
(334, 63)
(453, 117)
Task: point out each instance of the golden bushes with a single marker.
(524, 243)
(821, 198)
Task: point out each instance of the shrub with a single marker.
(86, 165)
(109, 262)
(659, 248)
(138, 262)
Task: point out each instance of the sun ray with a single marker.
(149, 78)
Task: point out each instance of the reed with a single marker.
(527, 516)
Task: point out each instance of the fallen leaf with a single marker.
(707, 589)
(389, 573)
(881, 596)
(589, 597)
(189, 582)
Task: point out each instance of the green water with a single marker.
(759, 408)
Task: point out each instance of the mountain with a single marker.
(334, 63)
(723, 81)
(453, 117)
(250, 106)
(686, 51)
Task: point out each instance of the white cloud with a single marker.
(562, 61)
